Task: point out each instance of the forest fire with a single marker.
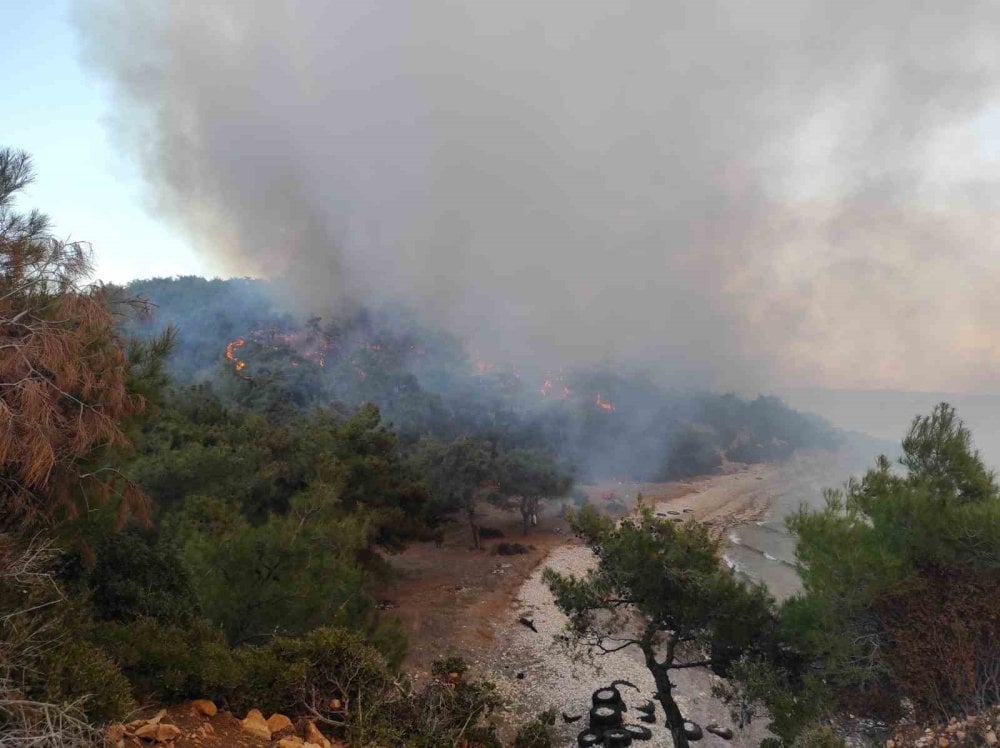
(295, 343)
(238, 364)
(603, 404)
(550, 387)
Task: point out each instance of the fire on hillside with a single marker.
(307, 346)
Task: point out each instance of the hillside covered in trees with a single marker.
(200, 507)
(603, 421)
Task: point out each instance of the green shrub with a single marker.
(284, 576)
(388, 637)
(135, 577)
(169, 663)
(79, 670)
(263, 678)
(818, 736)
(440, 714)
(325, 655)
(537, 733)
(444, 667)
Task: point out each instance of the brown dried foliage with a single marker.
(946, 641)
(63, 374)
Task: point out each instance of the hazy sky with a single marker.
(748, 195)
(55, 110)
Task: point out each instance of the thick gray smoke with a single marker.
(739, 193)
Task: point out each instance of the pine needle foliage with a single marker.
(900, 572)
(64, 373)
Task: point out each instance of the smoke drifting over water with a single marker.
(742, 194)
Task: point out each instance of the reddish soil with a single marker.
(448, 596)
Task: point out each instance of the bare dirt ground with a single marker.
(454, 600)
(449, 596)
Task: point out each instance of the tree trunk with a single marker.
(664, 694)
(529, 506)
(475, 529)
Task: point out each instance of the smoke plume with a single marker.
(736, 194)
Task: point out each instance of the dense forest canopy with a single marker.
(600, 422)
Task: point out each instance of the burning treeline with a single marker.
(301, 347)
(604, 421)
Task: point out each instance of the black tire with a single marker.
(693, 731)
(616, 683)
(638, 732)
(609, 696)
(604, 716)
(589, 739)
(617, 737)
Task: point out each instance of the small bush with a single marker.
(80, 670)
(170, 663)
(388, 637)
(329, 663)
(490, 533)
(818, 736)
(512, 549)
(444, 667)
(439, 714)
(537, 733)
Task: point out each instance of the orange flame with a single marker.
(603, 404)
(238, 364)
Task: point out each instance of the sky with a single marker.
(59, 113)
(748, 196)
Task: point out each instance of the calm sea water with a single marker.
(765, 551)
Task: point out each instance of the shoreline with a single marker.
(553, 676)
(452, 600)
(738, 503)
